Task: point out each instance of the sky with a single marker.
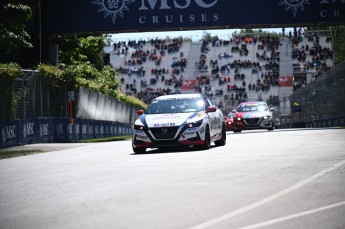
(195, 35)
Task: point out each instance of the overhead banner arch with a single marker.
(106, 16)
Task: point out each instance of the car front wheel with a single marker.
(207, 143)
(139, 150)
(222, 141)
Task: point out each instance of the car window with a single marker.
(231, 115)
(184, 105)
(252, 108)
(208, 103)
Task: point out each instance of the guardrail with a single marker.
(57, 130)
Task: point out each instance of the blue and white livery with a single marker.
(183, 120)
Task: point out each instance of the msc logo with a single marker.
(28, 129)
(115, 8)
(294, 5)
(8, 132)
(112, 8)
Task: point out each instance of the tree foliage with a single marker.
(81, 49)
(14, 19)
(338, 43)
(8, 101)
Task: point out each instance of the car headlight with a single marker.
(229, 122)
(267, 117)
(139, 127)
(194, 124)
(238, 118)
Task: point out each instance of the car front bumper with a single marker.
(168, 137)
(250, 124)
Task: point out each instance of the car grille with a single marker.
(164, 132)
(252, 121)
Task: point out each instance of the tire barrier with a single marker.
(57, 130)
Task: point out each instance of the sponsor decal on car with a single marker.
(188, 134)
(164, 117)
(163, 124)
(140, 137)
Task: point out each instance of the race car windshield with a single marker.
(175, 106)
(231, 115)
(252, 108)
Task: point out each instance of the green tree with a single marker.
(80, 49)
(8, 101)
(16, 27)
(338, 43)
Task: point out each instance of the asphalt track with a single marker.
(285, 179)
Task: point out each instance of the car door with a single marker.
(214, 119)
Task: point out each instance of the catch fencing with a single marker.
(321, 103)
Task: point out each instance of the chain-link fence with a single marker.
(29, 96)
(322, 102)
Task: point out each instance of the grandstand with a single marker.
(245, 67)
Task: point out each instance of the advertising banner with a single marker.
(57, 130)
(286, 81)
(28, 131)
(65, 16)
(188, 85)
(9, 133)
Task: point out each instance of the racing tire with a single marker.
(207, 143)
(222, 141)
(139, 150)
(272, 128)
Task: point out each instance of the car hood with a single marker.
(176, 119)
(253, 114)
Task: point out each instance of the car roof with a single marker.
(252, 103)
(178, 96)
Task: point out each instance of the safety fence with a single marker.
(322, 102)
(57, 130)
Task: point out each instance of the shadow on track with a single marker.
(172, 150)
(282, 130)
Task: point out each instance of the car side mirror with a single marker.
(140, 112)
(211, 109)
(234, 111)
(272, 109)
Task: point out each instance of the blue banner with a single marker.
(57, 130)
(65, 16)
(28, 131)
(9, 133)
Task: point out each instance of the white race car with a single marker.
(183, 120)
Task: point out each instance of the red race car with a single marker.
(229, 122)
(253, 115)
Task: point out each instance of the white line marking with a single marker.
(273, 221)
(275, 196)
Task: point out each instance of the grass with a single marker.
(10, 153)
(111, 139)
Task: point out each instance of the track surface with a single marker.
(281, 179)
